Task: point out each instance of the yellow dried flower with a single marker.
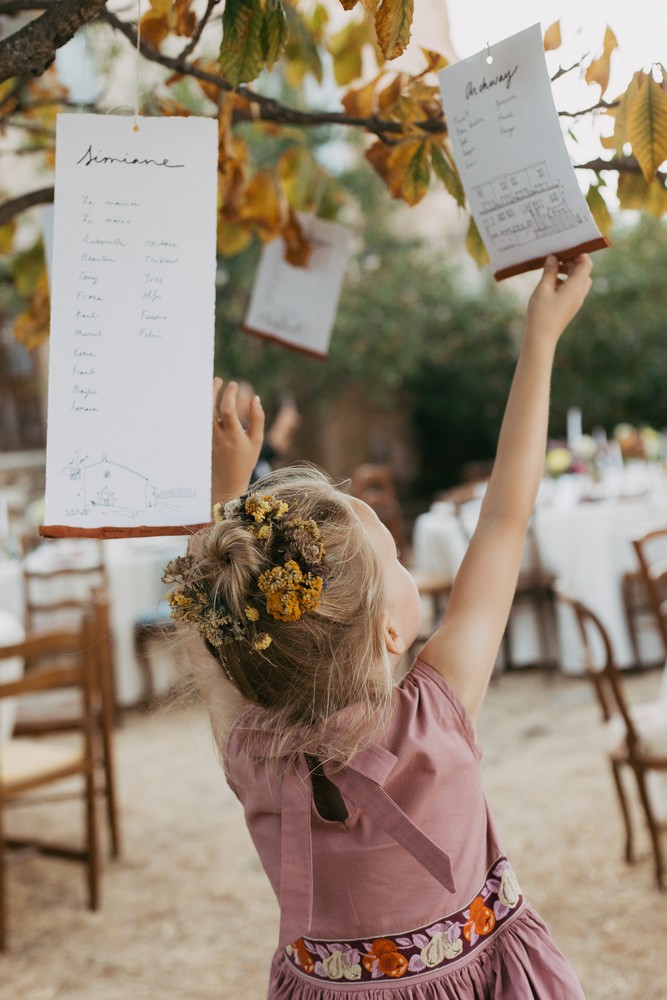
(261, 507)
(288, 592)
(252, 614)
(264, 532)
(217, 512)
(263, 641)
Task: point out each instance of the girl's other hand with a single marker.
(559, 295)
(235, 447)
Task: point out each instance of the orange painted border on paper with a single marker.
(120, 531)
(599, 243)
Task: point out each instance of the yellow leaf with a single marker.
(445, 169)
(233, 237)
(599, 210)
(345, 47)
(620, 113)
(157, 22)
(475, 245)
(393, 23)
(434, 61)
(389, 96)
(598, 71)
(403, 168)
(264, 206)
(647, 126)
(31, 327)
(7, 236)
(301, 176)
(634, 192)
(348, 4)
(298, 247)
(361, 102)
(552, 39)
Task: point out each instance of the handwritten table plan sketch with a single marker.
(297, 305)
(509, 149)
(132, 324)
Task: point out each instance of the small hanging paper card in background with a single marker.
(511, 156)
(297, 305)
(132, 323)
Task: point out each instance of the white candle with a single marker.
(573, 425)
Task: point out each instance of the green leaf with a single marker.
(241, 52)
(301, 53)
(393, 22)
(445, 169)
(475, 245)
(599, 210)
(274, 32)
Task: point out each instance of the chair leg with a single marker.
(629, 840)
(654, 831)
(3, 890)
(106, 727)
(142, 637)
(92, 841)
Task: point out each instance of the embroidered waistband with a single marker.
(425, 949)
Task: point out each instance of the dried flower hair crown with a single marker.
(290, 589)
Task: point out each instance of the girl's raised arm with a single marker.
(235, 448)
(465, 647)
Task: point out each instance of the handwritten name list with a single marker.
(509, 149)
(297, 305)
(132, 321)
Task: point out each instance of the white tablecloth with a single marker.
(586, 546)
(134, 567)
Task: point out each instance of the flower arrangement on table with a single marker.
(579, 458)
(643, 443)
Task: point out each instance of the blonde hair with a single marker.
(324, 683)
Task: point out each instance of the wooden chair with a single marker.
(650, 545)
(374, 484)
(28, 764)
(60, 711)
(637, 735)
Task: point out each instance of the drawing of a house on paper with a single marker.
(109, 487)
(511, 155)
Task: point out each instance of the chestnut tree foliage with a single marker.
(255, 66)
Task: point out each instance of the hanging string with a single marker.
(135, 127)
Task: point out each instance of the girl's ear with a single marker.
(393, 640)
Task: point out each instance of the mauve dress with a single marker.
(411, 896)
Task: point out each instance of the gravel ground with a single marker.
(187, 913)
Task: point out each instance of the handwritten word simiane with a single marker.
(134, 161)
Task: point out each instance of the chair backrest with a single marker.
(600, 666)
(650, 545)
(59, 582)
(11, 668)
(374, 484)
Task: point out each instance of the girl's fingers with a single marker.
(217, 386)
(227, 410)
(256, 420)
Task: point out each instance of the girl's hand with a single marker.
(235, 448)
(556, 300)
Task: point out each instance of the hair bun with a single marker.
(230, 562)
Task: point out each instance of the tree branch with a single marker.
(192, 44)
(8, 209)
(620, 165)
(32, 49)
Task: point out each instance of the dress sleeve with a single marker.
(424, 697)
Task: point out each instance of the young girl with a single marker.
(363, 797)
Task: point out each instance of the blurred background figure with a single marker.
(280, 434)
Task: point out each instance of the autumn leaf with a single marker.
(598, 71)
(599, 210)
(7, 236)
(184, 19)
(156, 23)
(434, 61)
(445, 169)
(264, 205)
(348, 4)
(360, 102)
(635, 192)
(393, 22)
(346, 47)
(301, 177)
(274, 32)
(552, 39)
(475, 245)
(31, 327)
(232, 238)
(647, 126)
(298, 247)
(403, 167)
(241, 52)
(620, 113)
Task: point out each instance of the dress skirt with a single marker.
(518, 962)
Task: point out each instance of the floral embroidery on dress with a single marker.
(422, 950)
